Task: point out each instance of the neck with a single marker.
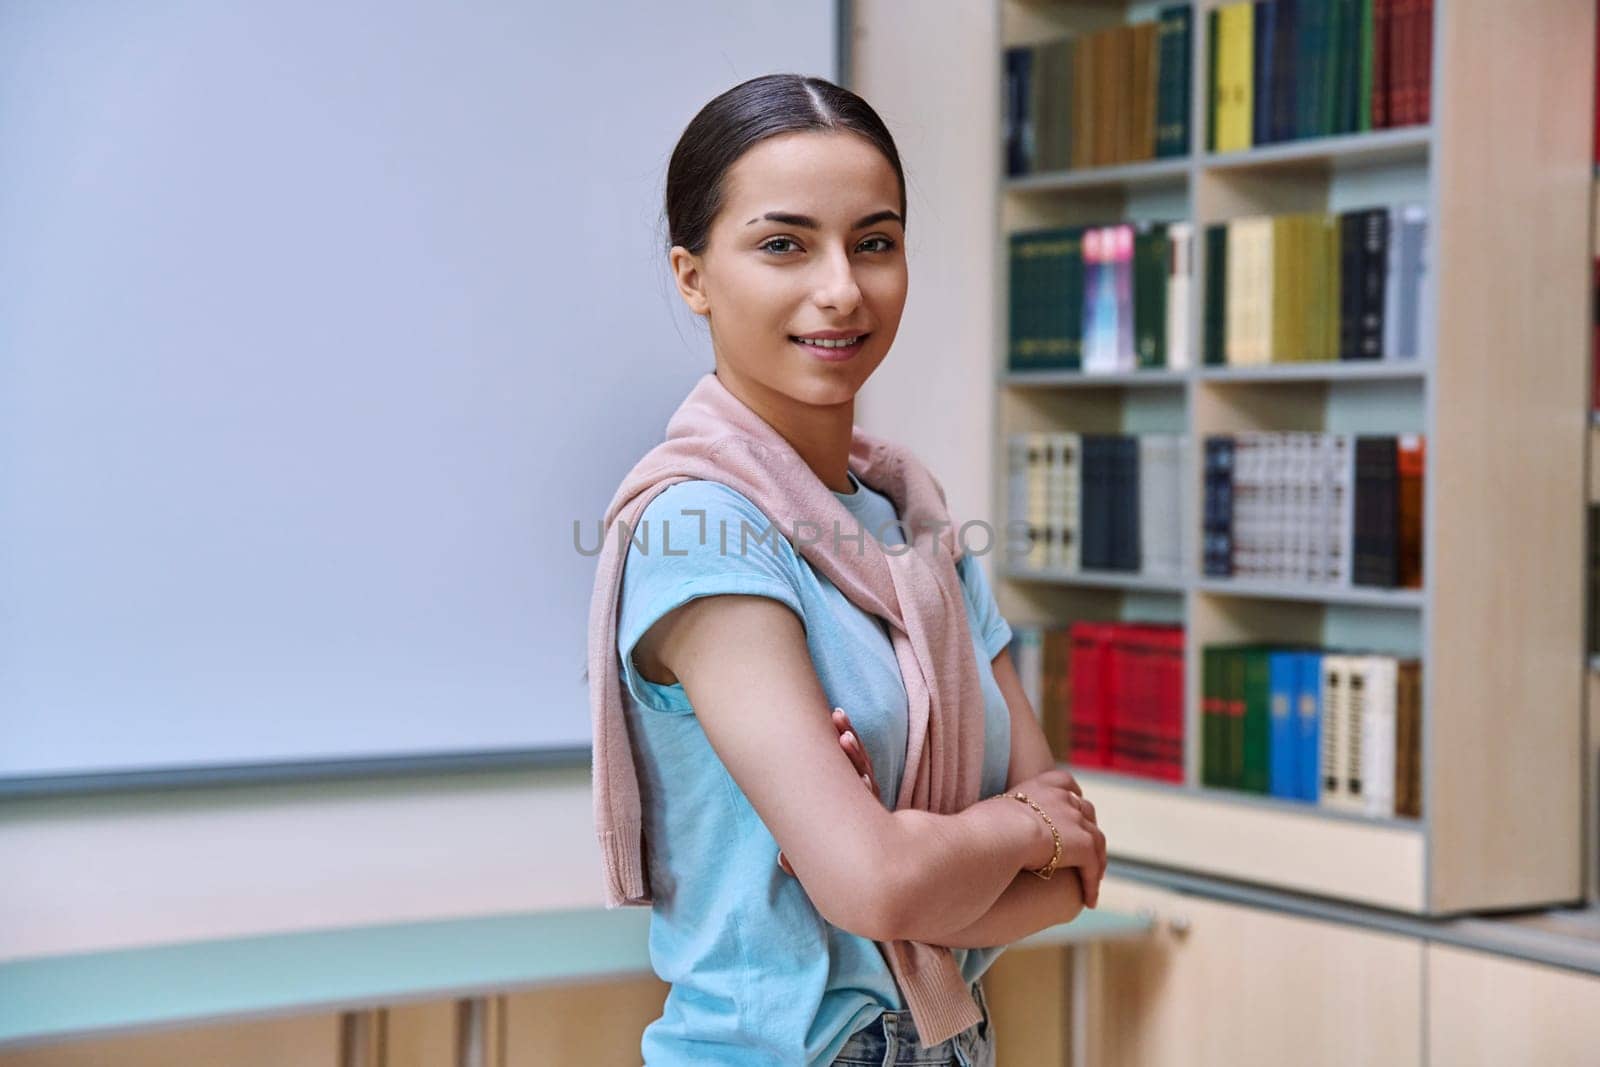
(821, 435)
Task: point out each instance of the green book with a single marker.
(1046, 299)
(1173, 76)
(1151, 248)
(1364, 66)
(1256, 725)
(1211, 715)
(1211, 80)
(1216, 326)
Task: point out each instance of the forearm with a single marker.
(1029, 904)
(956, 867)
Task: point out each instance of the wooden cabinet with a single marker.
(1493, 1010)
(295, 1041)
(1227, 984)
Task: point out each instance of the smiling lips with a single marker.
(835, 349)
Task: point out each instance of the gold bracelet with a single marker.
(1050, 868)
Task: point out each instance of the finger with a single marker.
(852, 748)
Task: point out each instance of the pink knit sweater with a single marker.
(715, 436)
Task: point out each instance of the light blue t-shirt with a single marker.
(758, 976)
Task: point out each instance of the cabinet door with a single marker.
(1225, 984)
(294, 1041)
(1490, 1009)
(591, 1022)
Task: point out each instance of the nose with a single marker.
(836, 286)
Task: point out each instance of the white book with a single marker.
(1236, 309)
(1158, 491)
(1341, 506)
(1357, 701)
(1333, 749)
(1018, 545)
(1064, 492)
(1404, 281)
(1377, 734)
(1262, 252)
(1180, 284)
(1039, 531)
(1249, 450)
(1316, 488)
(1277, 478)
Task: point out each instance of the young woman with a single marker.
(786, 205)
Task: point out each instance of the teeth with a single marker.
(829, 344)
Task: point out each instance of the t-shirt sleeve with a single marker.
(990, 624)
(697, 538)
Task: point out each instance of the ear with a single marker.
(690, 280)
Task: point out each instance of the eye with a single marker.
(767, 245)
(888, 243)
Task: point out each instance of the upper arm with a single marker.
(1030, 751)
(737, 645)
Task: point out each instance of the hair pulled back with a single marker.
(734, 122)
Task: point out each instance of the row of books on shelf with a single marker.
(1334, 728)
(1289, 288)
(1100, 299)
(1315, 508)
(1282, 70)
(1106, 502)
(1300, 507)
(1108, 695)
(1337, 729)
(1115, 95)
(1315, 286)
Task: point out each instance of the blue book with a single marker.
(1283, 749)
(1265, 44)
(1310, 724)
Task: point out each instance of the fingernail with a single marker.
(848, 734)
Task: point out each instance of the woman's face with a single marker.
(809, 240)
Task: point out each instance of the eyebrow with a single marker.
(808, 223)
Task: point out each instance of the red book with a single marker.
(1409, 459)
(1091, 737)
(1402, 20)
(1381, 14)
(1422, 94)
(1172, 641)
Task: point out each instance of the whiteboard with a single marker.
(320, 326)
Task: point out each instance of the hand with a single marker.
(1083, 846)
(851, 743)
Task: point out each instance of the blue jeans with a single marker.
(891, 1041)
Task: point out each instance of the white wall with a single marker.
(113, 871)
(932, 71)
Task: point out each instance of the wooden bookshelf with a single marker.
(1506, 171)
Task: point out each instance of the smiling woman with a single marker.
(776, 880)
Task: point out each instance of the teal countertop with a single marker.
(103, 993)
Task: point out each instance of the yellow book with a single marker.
(1309, 295)
(1237, 310)
(1333, 290)
(1283, 339)
(1235, 47)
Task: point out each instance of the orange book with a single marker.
(1411, 449)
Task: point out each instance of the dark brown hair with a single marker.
(732, 123)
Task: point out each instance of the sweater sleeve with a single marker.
(697, 538)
